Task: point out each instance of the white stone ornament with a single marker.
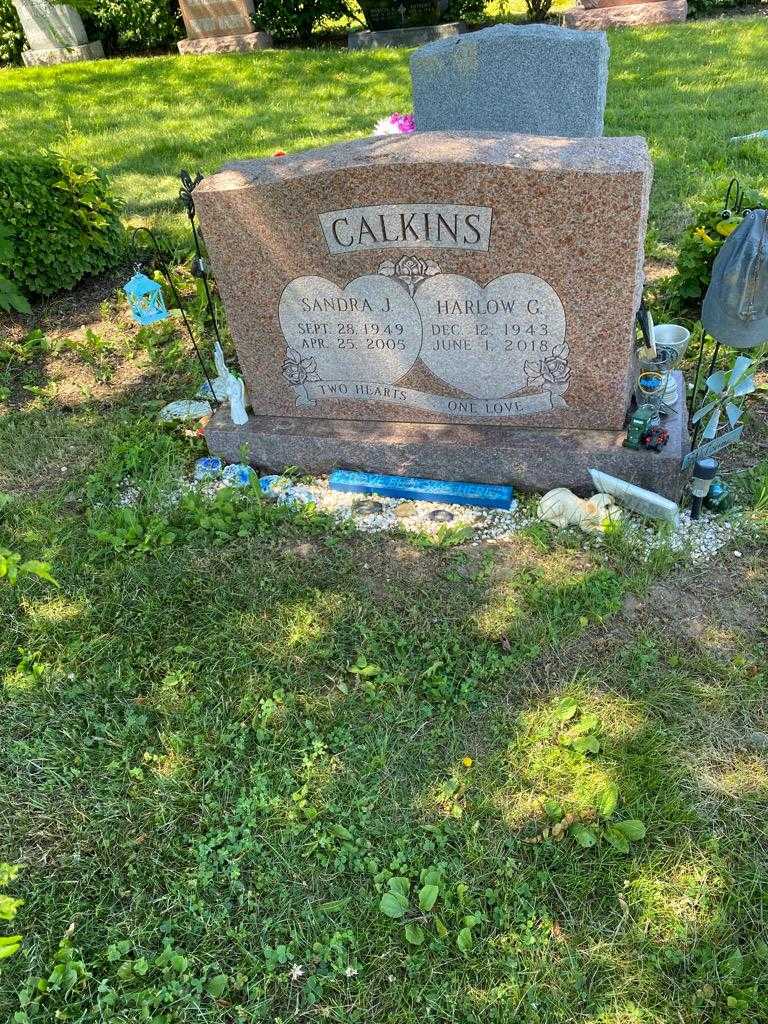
(563, 508)
(229, 386)
(647, 503)
(236, 395)
(184, 410)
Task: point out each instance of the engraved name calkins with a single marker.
(408, 226)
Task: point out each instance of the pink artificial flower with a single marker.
(395, 124)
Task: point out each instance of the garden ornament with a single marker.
(655, 439)
(208, 468)
(672, 340)
(735, 309)
(647, 503)
(145, 297)
(237, 475)
(703, 474)
(562, 508)
(228, 385)
(724, 390)
(638, 427)
(720, 498)
(184, 409)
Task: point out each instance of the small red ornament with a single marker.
(655, 439)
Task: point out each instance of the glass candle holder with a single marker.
(649, 391)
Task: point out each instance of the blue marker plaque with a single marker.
(421, 489)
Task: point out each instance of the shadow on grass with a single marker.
(687, 88)
(194, 762)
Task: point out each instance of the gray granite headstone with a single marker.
(54, 34)
(534, 79)
(47, 26)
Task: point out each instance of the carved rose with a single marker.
(411, 270)
(298, 369)
(555, 371)
(551, 374)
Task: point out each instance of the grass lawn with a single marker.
(256, 767)
(687, 88)
(219, 750)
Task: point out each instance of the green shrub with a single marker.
(10, 296)
(11, 35)
(699, 245)
(62, 220)
(697, 8)
(287, 19)
(465, 10)
(132, 26)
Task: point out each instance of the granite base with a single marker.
(404, 36)
(627, 14)
(62, 55)
(225, 44)
(530, 460)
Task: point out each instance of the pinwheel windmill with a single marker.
(726, 391)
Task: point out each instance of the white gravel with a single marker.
(696, 541)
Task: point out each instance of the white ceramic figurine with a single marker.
(228, 385)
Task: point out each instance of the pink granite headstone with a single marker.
(215, 26)
(440, 303)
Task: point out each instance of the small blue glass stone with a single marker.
(208, 468)
(145, 298)
(272, 484)
(450, 492)
(237, 475)
(296, 495)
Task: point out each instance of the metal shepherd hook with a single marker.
(177, 298)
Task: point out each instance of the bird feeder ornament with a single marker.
(145, 298)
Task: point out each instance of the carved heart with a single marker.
(368, 331)
(480, 339)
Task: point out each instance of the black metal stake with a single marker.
(692, 405)
(199, 266)
(697, 428)
(167, 274)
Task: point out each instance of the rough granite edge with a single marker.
(593, 154)
(506, 33)
(63, 54)
(626, 15)
(416, 35)
(246, 42)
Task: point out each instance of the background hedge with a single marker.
(61, 219)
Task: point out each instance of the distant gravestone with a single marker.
(534, 79)
(220, 26)
(403, 23)
(592, 14)
(54, 33)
